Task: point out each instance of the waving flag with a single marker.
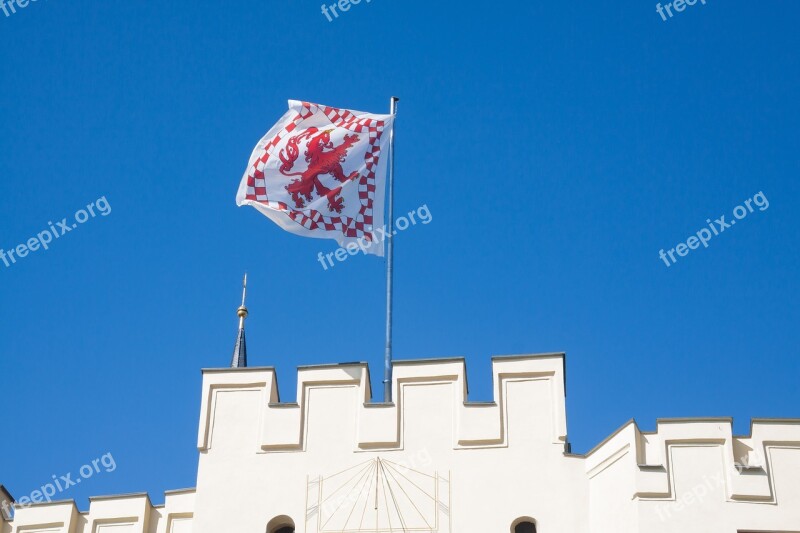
(321, 172)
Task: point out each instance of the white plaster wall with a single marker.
(701, 501)
(512, 466)
(611, 475)
(447, 464)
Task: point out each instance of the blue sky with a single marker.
(559, 146)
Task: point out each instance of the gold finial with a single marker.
(239, 359)
(242, 311)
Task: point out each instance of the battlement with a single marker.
(284, 426)
(697, 459)
(440, 461)
(125, 513)
(746, 461)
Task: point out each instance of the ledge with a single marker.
(44, 504)
(130, 495)
(239, 369)
(179, 491)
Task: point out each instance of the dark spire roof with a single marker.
(239, 351)
(239, 359)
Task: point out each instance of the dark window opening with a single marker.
(525, 527)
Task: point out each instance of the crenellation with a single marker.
(257, 454)
(56, 516)
(109, 512)
(177, 513)
(236, 379)
(743, 464)
(283, 426)
(126, 513)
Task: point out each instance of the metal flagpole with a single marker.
(387, 362)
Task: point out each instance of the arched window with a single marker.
(524, 525)
(281, 524)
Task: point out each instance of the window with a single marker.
(281, 524)
(523, 525)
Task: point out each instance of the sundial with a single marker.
(378, 496)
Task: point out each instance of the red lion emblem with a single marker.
(319, 162)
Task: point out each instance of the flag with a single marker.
(321, 172)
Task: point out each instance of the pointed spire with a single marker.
(239, 359)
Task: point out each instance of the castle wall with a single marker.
(432, 461)
(694, 476)
(132, 513)
(507, 456)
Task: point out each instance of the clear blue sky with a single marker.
(559, 147)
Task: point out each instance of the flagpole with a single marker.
(387, 362)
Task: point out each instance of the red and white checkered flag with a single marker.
(321, 172)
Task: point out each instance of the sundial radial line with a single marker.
(355, 503)
(410, 469)
(364, 472)
(319, 499)
(402, 488)
(366, 502)
(417, 486)
(410, 500)
(377, 481)
(386, 501)
(346, 483)
(394, 501)
(377, 488)
(367, 462)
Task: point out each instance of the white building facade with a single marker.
(434, 462)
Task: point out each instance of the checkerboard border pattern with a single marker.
(362, 224)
